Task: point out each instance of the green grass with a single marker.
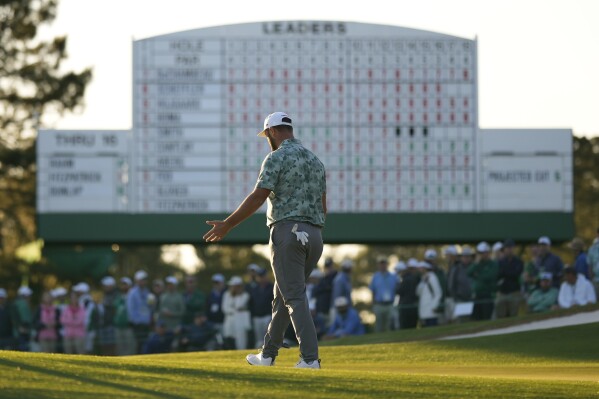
(557, 363)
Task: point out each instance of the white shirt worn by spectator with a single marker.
(580, 293)
(429, 293)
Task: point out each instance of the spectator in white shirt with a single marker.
(576, 290)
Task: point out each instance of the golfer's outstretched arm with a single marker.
(220, 228)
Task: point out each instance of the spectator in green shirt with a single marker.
(195, 300)
(543, 298)
(484, 278)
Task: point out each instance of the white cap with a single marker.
(413, 262)
(82, 288)
(424, 265)
(544, 241)
(218, 278)
(140, 275)
(483, 247)
(172, 280)
(341, 301)
(3, 293)
(347, 264)
(235, 280)
(108, 281)
(498, 246)
(430, 254)
(316, 273)
(450, 250)
(24, 291)
(399, 266)
(254, 267)
(466, 250)
(126, 280)
(275, 119)
(58, 291)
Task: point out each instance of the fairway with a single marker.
(556, 363)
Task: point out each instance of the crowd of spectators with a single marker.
(142, 317)
(488, 282)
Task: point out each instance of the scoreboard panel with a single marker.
(390, 111)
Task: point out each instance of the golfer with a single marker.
(293, 180)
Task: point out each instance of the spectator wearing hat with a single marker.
(124, 335)
(214, 302)
(73, 321)
(195, 300)
(347, 321)
(399, 269)
(484, 282)
(83, 291)
(106, 313)
(497, 251)
(430, 256)
(580, 257)
(452, 259)
(237, 323)
(47, 320)
(342, 285)
(323, 292)
(199, 336)
(530, 277)
(261, 297)
(6, 328)
(383, 286)
(252, 276)
(576, 290)
(593, 262)
(429, 295)
(408, 299)
(313, 279)
(172, 305)
(547, 261)
(459, 285)
(160, 340)
(139, 308)
(509, 295)
(156, 291)
(544, 298)
(22, 317)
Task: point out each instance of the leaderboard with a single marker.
(83, 171)
(391, 112)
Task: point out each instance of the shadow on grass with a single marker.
(82, 379)
(209, 381)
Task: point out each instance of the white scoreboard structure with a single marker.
(392, 112)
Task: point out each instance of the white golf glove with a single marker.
(301, 235)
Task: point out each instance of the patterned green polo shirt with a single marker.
(296, 178)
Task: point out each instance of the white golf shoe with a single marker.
(258, 360)
(315, 364)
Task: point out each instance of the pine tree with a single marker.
(33, 85)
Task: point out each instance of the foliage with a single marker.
(32, 85)
(586, 187)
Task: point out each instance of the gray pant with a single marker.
(292, 263)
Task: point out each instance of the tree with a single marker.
(32, 86)
(586, 187)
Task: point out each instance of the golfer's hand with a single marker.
(218, 231)
(300, 235)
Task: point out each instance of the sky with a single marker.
(538, 60)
